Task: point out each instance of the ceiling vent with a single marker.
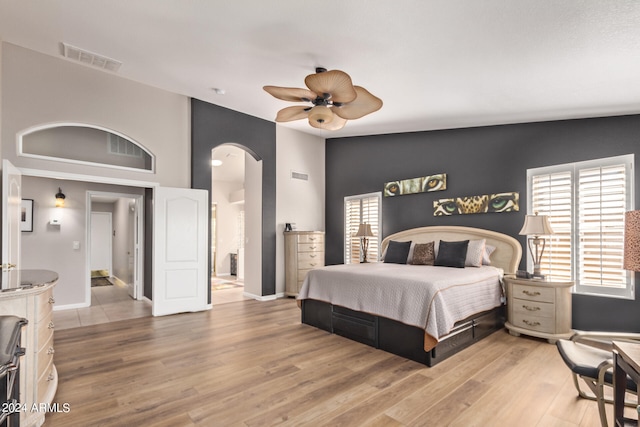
(90, 58)
(299, 175)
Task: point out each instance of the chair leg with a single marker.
(600, 393)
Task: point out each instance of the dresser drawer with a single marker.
(533, 308)
(311, 263)
(45, 331)
(311, 247)
(534, 293)
(310, 238)
(534, 323)
(310, 257)
(45, 357)
(44, 304)
(45, 383)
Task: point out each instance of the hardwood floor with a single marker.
(253, 363)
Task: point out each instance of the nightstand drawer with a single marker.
(534, 293)
(534, 323)
(533, 308)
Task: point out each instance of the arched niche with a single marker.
(84, 144)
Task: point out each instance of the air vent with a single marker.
(299, 175)
(90, 58)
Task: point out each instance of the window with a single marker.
(84, 144)
(586, 202)
(360, 209)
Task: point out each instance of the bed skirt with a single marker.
(398, 338)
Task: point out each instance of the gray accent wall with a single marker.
(211, 126)
(480, 160)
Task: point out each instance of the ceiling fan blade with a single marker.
(290, 114)
(291, 93)
(335, 124)
(364, 104)
(335, 82)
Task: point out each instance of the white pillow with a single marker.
(475, 253)
(488, 250)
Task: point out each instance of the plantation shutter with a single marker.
(586, 203)
(601, 208)
(551, 195)
(362, 209)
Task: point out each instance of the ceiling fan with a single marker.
(334, 97)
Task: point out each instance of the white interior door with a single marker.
(101, 241)
(11, 218)
(180, 230)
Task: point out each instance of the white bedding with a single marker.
(429, 297)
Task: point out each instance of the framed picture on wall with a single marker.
(26, 215)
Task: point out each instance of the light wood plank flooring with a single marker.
(253, 363)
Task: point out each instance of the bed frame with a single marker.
(409, 341)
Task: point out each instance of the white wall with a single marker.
(51, 247)
(227, 223)
(297, 201)
(39, 89)
(123, 240)
(253, 227)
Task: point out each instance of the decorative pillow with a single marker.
(475, 251)
(397, 252)
(452, 254)
(410, 256)
(488, 250)
(423, 254)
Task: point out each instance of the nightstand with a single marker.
(539, 308)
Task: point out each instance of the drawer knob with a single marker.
(531, 294)
(529, 308)
(312, 247)
(52, 300)
(51, 325)
(528, 323)
(50, 350)
(313, 264)
(312, 255)
(312, 238)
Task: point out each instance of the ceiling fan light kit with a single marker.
(334, 97)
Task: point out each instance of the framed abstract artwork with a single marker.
(498, 202)
(424, 184)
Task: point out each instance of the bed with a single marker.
(463, 305)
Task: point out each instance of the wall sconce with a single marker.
(60, 198)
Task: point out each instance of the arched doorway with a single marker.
(236, 223)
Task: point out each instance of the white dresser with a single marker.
(303, 251)
(539, 308)
(38, 376)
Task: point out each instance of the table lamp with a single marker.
(364, 232)
(536, 226)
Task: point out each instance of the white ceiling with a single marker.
(435, 63)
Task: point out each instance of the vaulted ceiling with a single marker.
(436, 64)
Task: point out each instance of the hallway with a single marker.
(113, 303)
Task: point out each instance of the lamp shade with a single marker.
(631, 241)
(536, 225)
(364, 230)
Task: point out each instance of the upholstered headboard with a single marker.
(506, 256)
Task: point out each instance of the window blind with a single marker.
(362, 209)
